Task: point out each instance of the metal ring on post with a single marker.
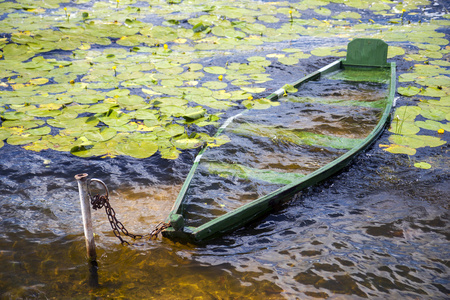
(99, 181)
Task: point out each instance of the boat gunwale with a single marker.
(258, 207)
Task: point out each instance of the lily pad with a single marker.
(416, 141)
(215, 70)
(422, 165)
(100, 135)
(22, 139)
(398, 149)
(137, 149)
(408, 91)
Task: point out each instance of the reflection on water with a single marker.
(378, 230)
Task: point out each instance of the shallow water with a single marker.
(378, 229)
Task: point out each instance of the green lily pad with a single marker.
(408, 91)
(437, 114)
(169, 153)
(22, 139)
(113, 118)
(215, 70)
(399, 126)
(289, 88)
(347, 15)
(100, 134)
(188, 143)
(432, 125)
(433, 92)
(39, 131)
(194, 113)
(253, 90)
(329, 51)
(398, 149)
(416, 141)
(80, 123)
(137, 149)
(288, 60)
(261, 103)
(4, 134)
(215, 85)
(422, 165)
(395, 51)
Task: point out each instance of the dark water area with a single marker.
(379, 229)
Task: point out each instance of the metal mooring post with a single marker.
(86, 213)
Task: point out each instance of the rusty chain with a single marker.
(98, 201)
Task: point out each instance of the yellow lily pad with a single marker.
(422, 165)
(398, 149)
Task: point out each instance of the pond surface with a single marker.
(379, 229)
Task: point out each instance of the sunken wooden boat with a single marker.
(335, 114)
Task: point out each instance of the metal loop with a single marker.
(99, 181)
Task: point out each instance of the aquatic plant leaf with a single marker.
(131, 102)
(432, 125)
(399, 126)
(100, 108)
(172, 110)
(169, 153)
(87, 151)
(422, 165)
(4, 134)
(394, 51)
(100, 134)
(288, 60)
(187, 143)
(433, 92)
(436, 81)
(347, 15)
(80, 123)
(261, 103)
(39, 131)
(215, 85)
(15, 115)
(215, 70)
(113, 118)
(437, 114)
(23, 124)
(323, 11)
(398, 149)
(22, 139)
(408, 91)
(289, 88)
(146, 114)
(329, 51)
(194, 113)
(416, 141)
(137, 149)
(253, 90)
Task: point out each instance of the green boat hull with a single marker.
(363, 55)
